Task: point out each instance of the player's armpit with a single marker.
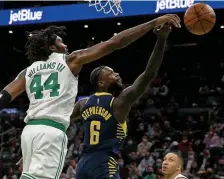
(76, 114)
(17, 86)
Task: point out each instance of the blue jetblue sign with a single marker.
(78, 12)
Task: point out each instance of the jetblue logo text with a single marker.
(172, 4)
(24, 15)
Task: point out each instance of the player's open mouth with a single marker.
(164, 168)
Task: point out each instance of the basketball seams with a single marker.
(194, 26)
(202, 26)
(207, 21)
(210, 12)
(202, 8)
(198, 19)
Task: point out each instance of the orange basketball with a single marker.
(199, 19)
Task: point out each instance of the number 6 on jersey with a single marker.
(94, 132)
(50, 84)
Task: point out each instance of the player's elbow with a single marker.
(150, 75)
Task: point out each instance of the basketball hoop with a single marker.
(107, 6)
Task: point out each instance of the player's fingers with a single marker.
(174, 16)
(175, 21)
(178, 17)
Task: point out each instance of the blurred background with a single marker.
(181, 111)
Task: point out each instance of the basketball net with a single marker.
(107, 6)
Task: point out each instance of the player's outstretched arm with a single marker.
(127, 97)
(76, 114)
(119, 41)
(13, 89)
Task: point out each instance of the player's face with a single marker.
(59, 46)
(171, 164)
(111, 79)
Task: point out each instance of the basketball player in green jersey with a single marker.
(104, 114)
(51, 84)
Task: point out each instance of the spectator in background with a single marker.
(174, 147)
(9, 174)
(145, 162)
(214, 144)
(167, 130)
(144, 146)
(71, 172)
(149, 173)
(140, 131)
(184, 146)
(212, 140)
(122, 169)
(155, 130)
(134, 173)
(20, 170)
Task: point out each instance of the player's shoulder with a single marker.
(56, 56)
(82, 102)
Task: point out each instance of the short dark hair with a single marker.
(180, 158)
(94, 76)
(38, 42)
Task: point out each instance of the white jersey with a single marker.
(180, 176)
(52, 89)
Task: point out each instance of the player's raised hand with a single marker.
(168, 18)
(164, 31)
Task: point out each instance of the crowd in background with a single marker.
(158, 123)
(182, 110)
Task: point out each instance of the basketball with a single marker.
(199, 19)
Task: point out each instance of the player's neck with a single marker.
(172, 176)
(106, 91)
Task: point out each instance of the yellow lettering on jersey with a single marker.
(96, 110)
(100, 109)
(84, 115)
(90, 111)
(87, 112)
(97, 107)
(106, 115)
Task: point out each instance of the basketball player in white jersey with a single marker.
(51, 84)
(172, 166)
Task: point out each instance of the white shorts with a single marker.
(44, 149)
